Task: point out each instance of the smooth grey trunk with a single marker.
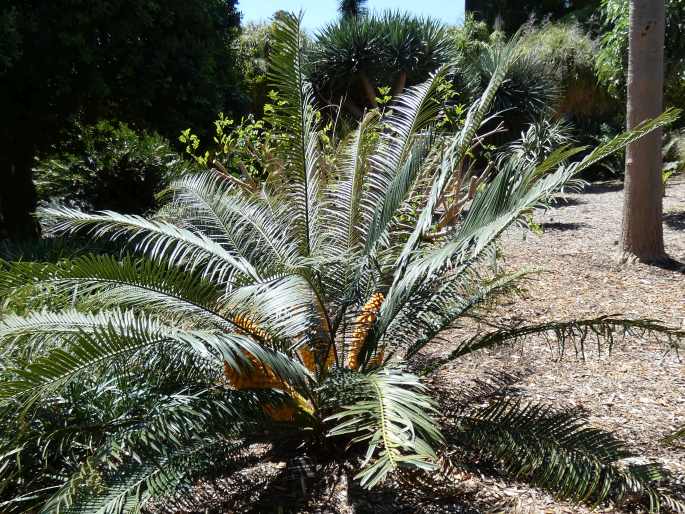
(642, 232)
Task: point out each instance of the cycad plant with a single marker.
(291, 315)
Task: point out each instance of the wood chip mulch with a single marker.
(637, 391)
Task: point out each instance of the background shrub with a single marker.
(107, 166)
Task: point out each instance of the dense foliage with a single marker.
(509, 16)
(290, 315)
(353, 57)
(252, 53)
(247, 149)
(160, 65)
(107, 166)
(612, 60)
(567, 54)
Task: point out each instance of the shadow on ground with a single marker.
(566, 201)
(563, 227)
(603, 187)
(675, 220)
(671, 265)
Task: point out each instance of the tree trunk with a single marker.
(369, 90)
(642, 233)
(17, 195)
(400, 84)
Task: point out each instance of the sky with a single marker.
(318, 13)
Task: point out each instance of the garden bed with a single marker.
(637, 391)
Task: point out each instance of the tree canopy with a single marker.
(511, 15)
(158, 65)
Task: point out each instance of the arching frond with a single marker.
(284, 306)
(502, 203)
(344, 196)
(260, 233)
(452, 301)
(399, 154)
(503, 57)
(160, 452)
(298, 116)
(157, 239)
(126, 335)
(601, 331)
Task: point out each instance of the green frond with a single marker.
(344, 196)
(121, 337)
(285, 307)
(393, 417)
(343, 214)
(558, 450)
(128, 488)
(400, 152)
(297, 115)
(580, 332)
(159, 240)
(159, 453)
(259, 232)
(122, 491)
(127, 335)
(622, 140)
(503, 57)
(503, 202)
(46, 329)
(103, 281)
(455, 299)
(405, 280)
(286, 72)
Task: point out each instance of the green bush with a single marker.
(529, 93)
(612, 58)
(107, 166)
(158, 64)
(568, 55)
(252, 53)
(244, 149)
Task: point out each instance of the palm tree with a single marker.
(354, 56)
(289, 315)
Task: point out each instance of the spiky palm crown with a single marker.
(288, 314)
(380, 49)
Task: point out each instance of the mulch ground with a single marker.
(637, 391)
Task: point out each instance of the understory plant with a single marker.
(291, 315)
(107, 165)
